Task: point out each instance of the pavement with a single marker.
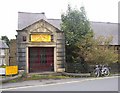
(37, 82)
(8, 78)
(34, 82)
(58, 82)
(42, 82)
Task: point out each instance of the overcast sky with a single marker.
(97, 10)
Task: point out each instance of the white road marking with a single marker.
(56, 83)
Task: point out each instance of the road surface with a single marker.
(87, 84)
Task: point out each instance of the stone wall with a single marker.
(7, 56)
(21, 51)
(13, 51)
(60, 53)
(42, 27)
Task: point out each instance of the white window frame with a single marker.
(2, 61)
(2, 52)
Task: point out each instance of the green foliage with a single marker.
(35, 77)
(101, 52)
(24, 75)
(77, 67)
(3, 66)
(5, 38)
(81, 47)
(76, 27)
(13, 81)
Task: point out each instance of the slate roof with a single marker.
(3, 45)
(99, 28)
(26, 18)
(106, 29)
(55, 22)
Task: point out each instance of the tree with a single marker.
(5, 38)
(101, 52)
(76, 27)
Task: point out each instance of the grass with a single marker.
(26, 77)
(38, 77)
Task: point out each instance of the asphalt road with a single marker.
(90, 84)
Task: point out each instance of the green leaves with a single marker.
(76, 28)
(80, 41)
(102, 52)
(75, 25)
(5, 38)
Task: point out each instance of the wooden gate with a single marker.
(41, 59)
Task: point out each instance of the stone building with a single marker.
(4, 53)
(40, 45)
(13, 48)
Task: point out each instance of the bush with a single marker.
(77, 67)
(24, 75)
(3, 66)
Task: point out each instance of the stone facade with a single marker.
(13, 48)
(24, 43)
(37, 23)
(7, 56)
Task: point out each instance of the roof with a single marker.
(55, 22)
(106, 29)
(99, 28)
(26, 18)
(3, 45)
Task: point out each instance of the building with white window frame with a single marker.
(4, 53)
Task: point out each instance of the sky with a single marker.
(96, 10)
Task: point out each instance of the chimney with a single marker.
(43, 13)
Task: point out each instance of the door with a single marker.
(41, 59)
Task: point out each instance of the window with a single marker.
(117, 48)
(52, 38)
(2, 52)
(24, 38)
(2, 61)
